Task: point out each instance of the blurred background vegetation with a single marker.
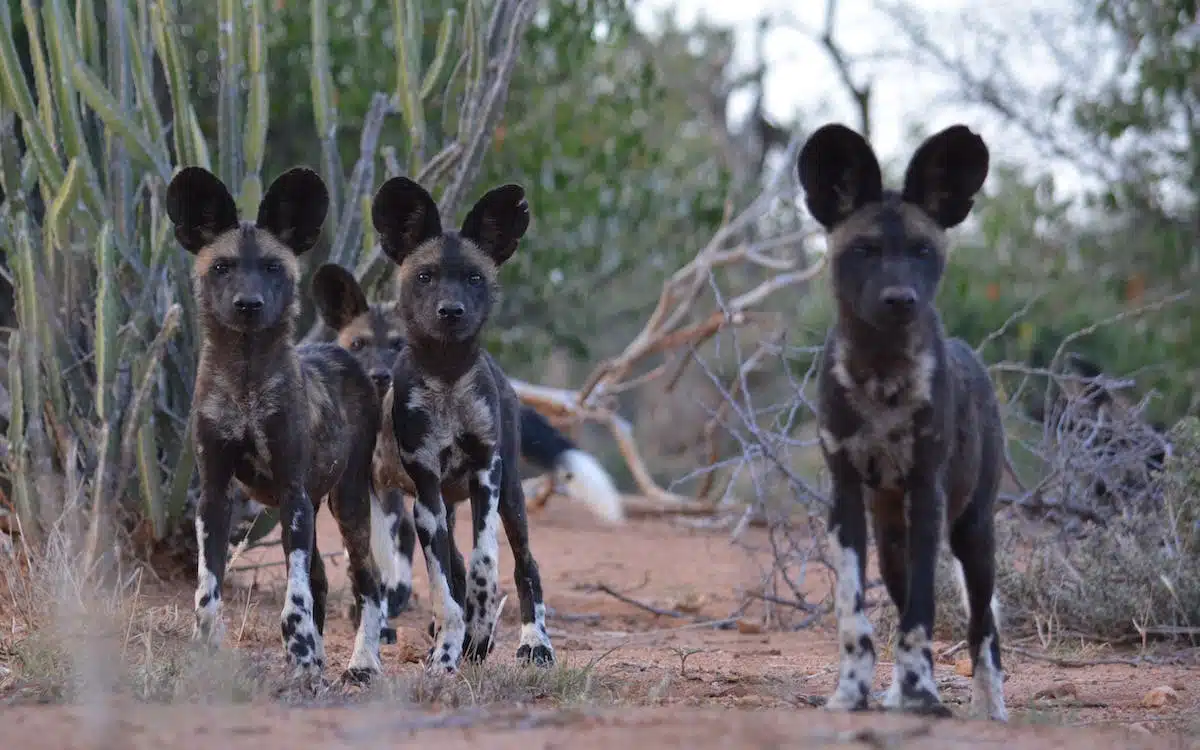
(628, 142)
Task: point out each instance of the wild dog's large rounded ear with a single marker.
(839, 173)
(405, 216)
(294, 208)
(338, 296)
(945, 173)
(498, 221)
(200, 207)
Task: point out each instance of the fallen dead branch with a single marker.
(673, 327)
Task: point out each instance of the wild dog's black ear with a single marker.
(405, 216)
(498, 221)
(338, 296)
(945, 173)
(839, 173)
(294, 208)
(200, 207)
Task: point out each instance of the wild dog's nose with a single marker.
(248, 303)
(451, 309)
(899, 299)
(381, 378)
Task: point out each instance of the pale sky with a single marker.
(803, 78)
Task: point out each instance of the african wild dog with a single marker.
(455, 426)
(374, 334)
(909, 424)
(291, 424)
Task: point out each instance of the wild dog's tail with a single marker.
(582, 475)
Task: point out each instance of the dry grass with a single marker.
(71, 639)
(1135, 577)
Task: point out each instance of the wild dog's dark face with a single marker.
(374, 334)
(888, 249)
(244, 276)
(447, 279)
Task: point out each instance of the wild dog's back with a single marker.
(343, 408)
(977, 458)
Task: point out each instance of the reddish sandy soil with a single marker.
(736, 689)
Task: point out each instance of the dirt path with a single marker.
(659, 682)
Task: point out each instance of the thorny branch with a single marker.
(677, 325)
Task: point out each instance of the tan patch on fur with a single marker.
(430, 254)
(360, 327)
(228, 245)
(864, 225)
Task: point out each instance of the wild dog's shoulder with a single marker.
(328, 360)
(334, 381)
(505, 396)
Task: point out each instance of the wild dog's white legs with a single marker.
(301, 639)
(483, 589)
(209, 627)
(434, 538)
(856, 671)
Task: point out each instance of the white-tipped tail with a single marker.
(586, 480)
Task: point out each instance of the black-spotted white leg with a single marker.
(302, 641)
(392, 541)
(972, 540)
(848, 548)
(482, 598)
(430, 515)
(534, 643)
(212, 540)
(351, 506)
(913, 687)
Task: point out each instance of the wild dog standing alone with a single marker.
(455, 415)
(292, 425)
(908, 418)
(375, 335)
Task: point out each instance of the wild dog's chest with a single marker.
(451, 428)
(239, 415)
(880, 436)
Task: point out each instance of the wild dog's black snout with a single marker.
(248, 304)
(448, 310)
(381, 378)
(900, 301)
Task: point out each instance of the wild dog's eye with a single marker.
(863, 250)
(357, 343)
(272, 266)
(221, 266)
(475, 279)
(397, 344)
(424, 277)
(922, 251)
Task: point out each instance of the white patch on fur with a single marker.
(485, 562)
(587, 481)
(395, 569)
(208, 616)
(366, 640)
(828, 441)
(533, 634)
(447, 614)
(910, 660)
(856, 673)
(922, 386)
(963, 595)
(299, 588)
(987, 686)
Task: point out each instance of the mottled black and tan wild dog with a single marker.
(374, 333)
(455, 427)
(909, 424)
(292, 424)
